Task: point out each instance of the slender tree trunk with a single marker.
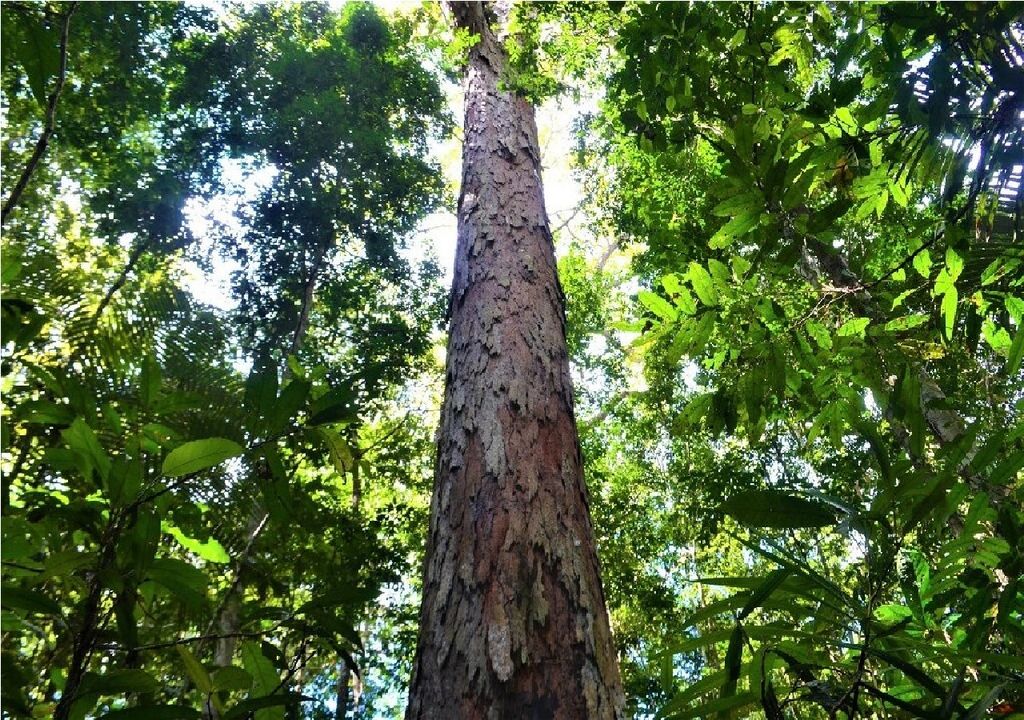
(513, 622)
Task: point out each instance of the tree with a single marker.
(513, 621)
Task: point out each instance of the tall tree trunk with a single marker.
(513, 622)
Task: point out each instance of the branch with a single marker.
(48, 128)
(133, 258)
(188, 640)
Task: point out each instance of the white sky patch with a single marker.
(212, 284)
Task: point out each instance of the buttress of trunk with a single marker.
(513, 622)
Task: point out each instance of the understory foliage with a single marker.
(795, 319)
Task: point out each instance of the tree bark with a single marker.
(513, 622)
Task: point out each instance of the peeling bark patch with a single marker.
(499, 648)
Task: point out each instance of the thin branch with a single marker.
(133, 258)
(188, 640)
(48, 127)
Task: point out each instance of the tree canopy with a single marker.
(795, 296)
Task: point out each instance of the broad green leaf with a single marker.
(265, 677)
(187, 583)
(293, 398)
(336, 405)
(65, 562)
(954, 263)
(211, 550)
(923, 264)
(899, 193)
(892, 614)
(200, 455)
(657, 305)
(231, 678)
(737, 227)
(906, 322)
(1015, 306)
(846, 120)
(752, 202)
(820, 334)
(979, 708)
(949, 303)
(854, 327)
(29, 601)
(45, 412)
(777, 509)
(702, 284)
(195, 670)
(39, 54)
(114, 682)
(261, 391)
(82, 440)
(265, 682)
(721, 705)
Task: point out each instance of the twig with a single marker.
(188, 640)
(48, 127)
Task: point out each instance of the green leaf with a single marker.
(892, 614)
(954, 263)
(39, 53)
(737, 227)
(899, 193)
(200, 455)
(45, 412)
(261, 391)
(264, 675)
(187, 583)
(923, 263)
(721, 705)
(211, 550)
(740, 204)
(336, 405)
(657, 305)
(702, 284)
(115, 682)
(29, 601)
(231, 678)
(247, 708)
(195, 670)
(776, 509)
(906, 322)
(978, 709)
(82, 440)
(764, 590)
(733, 661)
(1013, 358)
(854, 327)
(820, 334)
(846, 120)
(293, 397)
(949, 303)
